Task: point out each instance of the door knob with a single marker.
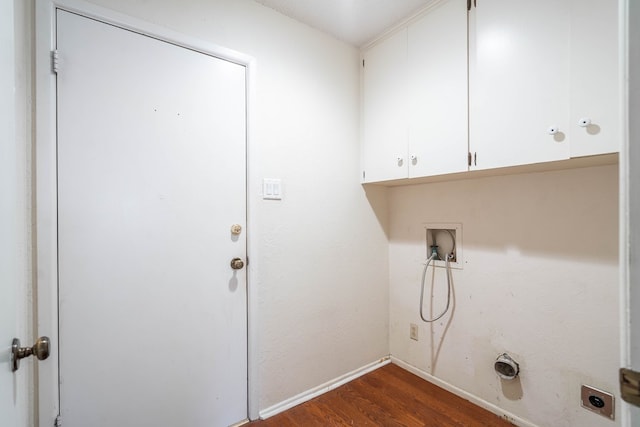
(237, 264)
(40, 349)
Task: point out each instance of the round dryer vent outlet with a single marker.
(506, 367)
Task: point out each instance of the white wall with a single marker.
(539, 281)
(321, 268)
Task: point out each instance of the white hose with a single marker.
(424, 274)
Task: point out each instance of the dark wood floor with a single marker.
(389, 396)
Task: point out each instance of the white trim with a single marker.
(406, 22)
(121, 20)
(624, 412)
(45, 186)
(321, 389)
(629, 201)
(253, 360)
(46, 213)
(463, 394)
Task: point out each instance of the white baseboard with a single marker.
(463, 394)
(321, 389)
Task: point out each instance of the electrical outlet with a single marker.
(597, 401)
(413, 331)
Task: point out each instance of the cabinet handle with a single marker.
(584, 122)
(553, 130)
(400, 160)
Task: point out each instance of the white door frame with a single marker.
(629, 200)
(46, 186)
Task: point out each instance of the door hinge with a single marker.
(630, 386)
(55, 61)
(472, 159)
(363, 63)
(58, 421)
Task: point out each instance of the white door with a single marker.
(151, 178)
(12, 392)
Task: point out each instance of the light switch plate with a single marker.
(271, 189)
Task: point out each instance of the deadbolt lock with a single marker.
(40, 349)
(237, 264)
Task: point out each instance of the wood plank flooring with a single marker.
(389, 396)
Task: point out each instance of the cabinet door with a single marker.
(437, 66)
(595, 92)
(519, 81)
(384, 147)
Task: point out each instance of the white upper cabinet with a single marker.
(544, 81)
(415, 98)
(384, 149)
(519, 82)
(595, 78)
(437, 66)
(508, 83)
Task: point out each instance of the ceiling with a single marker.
(353, 21)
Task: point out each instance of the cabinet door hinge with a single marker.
(55, 61)
(58, 421)
(363, 175)
(363, 63)
(471, 159)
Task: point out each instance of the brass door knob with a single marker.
(237, 264)
(40, 349)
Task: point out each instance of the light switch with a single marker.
(271, 189)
